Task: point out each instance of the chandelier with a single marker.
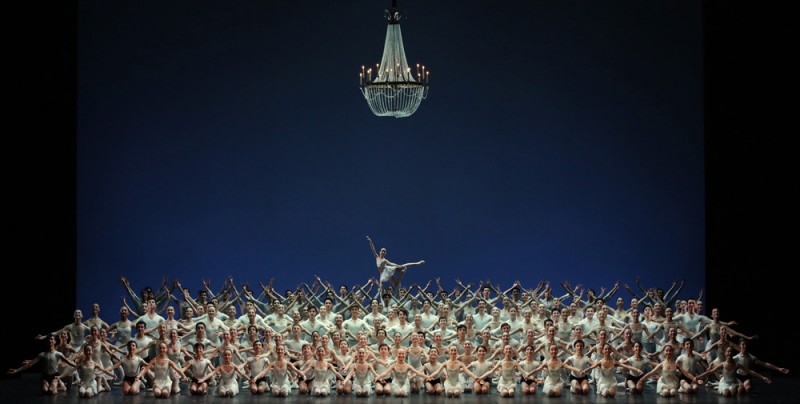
(391, 89)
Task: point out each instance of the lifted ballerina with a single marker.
(388, 270)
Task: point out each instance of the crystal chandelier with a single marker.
(391, 89)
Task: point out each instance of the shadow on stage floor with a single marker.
(25, 389)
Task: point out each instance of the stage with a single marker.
(25, 389)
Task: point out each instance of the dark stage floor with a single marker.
(26, 390)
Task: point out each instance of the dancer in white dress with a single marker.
(554, 366)
(321, 367)
(122, 329)
(280, 367)
(415, 354)
(399, 371)
(729, 385)
(88, 368)
(228, 385)
(481, 366)
(389, 271)
(507, 383)
(452, 369)
(668, 383)
(607, 375)
(161, 365)
(360, 372)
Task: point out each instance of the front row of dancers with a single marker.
(398, 372)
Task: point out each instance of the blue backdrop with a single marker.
(560, 141)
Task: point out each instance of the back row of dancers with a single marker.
(388, 340)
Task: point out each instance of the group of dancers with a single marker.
(385, 339)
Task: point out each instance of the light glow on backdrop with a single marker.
(559, 141)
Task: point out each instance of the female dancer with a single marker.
(552, 386)
(399, 371)
(507, 383)
(481, 366)
(653, 329)
(122, 330)
(65, 347)
(729, 385)
(712, 330)
(389, 271)
(452, 369)
(95, 319)
(322, 367)
(88, 370)
(668, 383)
(161, 365)
(280, 367)
(607, 375)
(102, 352)
(360, 372)
(228, 385)
(342, 359)
(468, 356)
(178, 354)
(416, 353)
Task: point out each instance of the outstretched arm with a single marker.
(612, 292)
(372, 247)
(670, 299)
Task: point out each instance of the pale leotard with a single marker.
(728, 381)
(668, 379)
(361, 380)
(452, 378)
(386, 269)
(507, 378)
(400, 382)
(228, 381)
(606, 378)
(280, 378)
(552, 381)
(124, 334)
(321, 381)
(87, 376)
(162, 378)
